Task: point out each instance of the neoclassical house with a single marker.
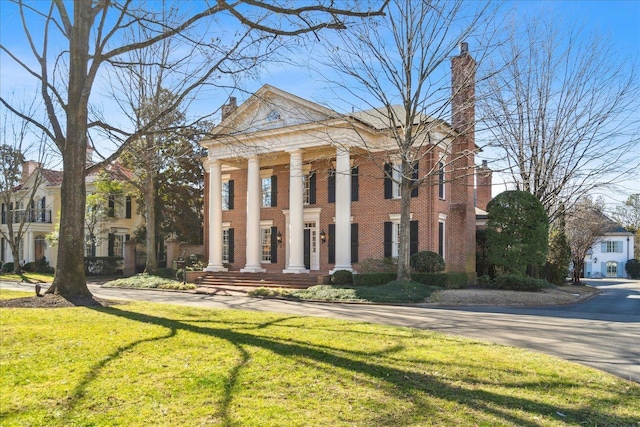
(294, 187)
(43, 214)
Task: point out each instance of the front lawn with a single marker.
(27, 277)
(144, 364)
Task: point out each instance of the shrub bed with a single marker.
(514, 282)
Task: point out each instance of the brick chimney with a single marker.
(229, 108)
(483, 185)
(28, 168)
(461, 222)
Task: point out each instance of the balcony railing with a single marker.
(28, 215)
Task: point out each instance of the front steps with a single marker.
(259, 280)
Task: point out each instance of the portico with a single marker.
(301, 221)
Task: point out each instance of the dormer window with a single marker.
(273, 115)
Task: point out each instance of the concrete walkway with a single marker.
(607, 342)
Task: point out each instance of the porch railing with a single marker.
(27, 215)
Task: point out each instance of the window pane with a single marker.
(225, 245)
(225, 195)
(265, 234)
(266, 192)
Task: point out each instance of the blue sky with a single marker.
(619, 20)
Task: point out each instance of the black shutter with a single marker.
(43, 209)
(230, 201)
(354, 242)
(354, 184)
(274, 191)
(112, 242)
(231, 246)
(415, 175)
(332, 244)
(128, 207)
(127, 237)
(112, 207)
(312, 188)
(388, 239)
(274, 245)
(332, 186)
(4, 220)
(441, 239)
(413, 237)
(388, 183)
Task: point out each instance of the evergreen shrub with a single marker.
(342, 278)
(633, 268)
(427, 262)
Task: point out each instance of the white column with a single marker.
(254, 204)
(29, 247)
(295, 233)
(342, 236)
(215, 217)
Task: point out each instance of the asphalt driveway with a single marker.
(603, 332)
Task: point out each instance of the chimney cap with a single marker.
(464, 48)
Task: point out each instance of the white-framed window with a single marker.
(612, 246)
(265, 242)
(225, 195)
(306, 187)
(118, 245)
(266, 192)
(225, 245)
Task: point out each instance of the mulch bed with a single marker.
(57, 301)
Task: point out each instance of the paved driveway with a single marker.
(604, 339)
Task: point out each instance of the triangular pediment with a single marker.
(271, 108)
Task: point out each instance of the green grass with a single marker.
(27, 277)
(392, 292)
(148, 281)
(149, 364)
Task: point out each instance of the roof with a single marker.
(54, 178)
(380, 118)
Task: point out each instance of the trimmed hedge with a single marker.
(514, 282)
(342, 278)
(7, 267)
(427, 262)
(101, 265)
(373, 279)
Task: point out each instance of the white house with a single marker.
(609, 254)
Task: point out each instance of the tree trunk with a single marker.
(69, 278)
(404, 268)
(150, 208)
(15, 249)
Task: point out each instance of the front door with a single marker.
(307, 248)
(39, 247)
(311, 255)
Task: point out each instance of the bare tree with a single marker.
(396, 65)
(19, 182)
(628, 215)
(74, 49)
(586, 224)
(562, 116)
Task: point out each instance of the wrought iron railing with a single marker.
(27, 215)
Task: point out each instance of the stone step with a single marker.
(272, 280)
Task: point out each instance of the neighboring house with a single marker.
(609, 255)
(43, 216)
(295, 187)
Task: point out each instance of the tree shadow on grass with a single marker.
(405, 384)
